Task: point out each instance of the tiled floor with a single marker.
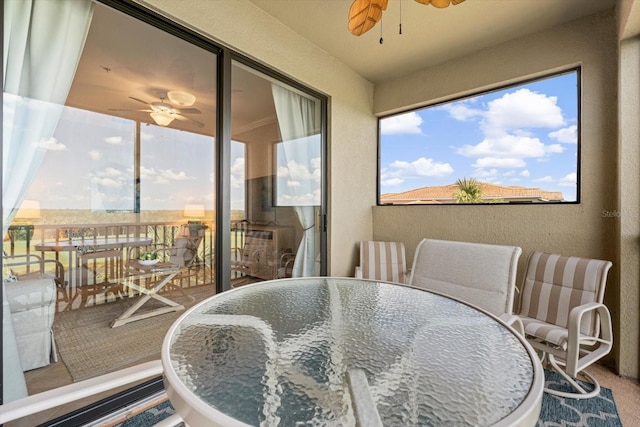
(626, 392)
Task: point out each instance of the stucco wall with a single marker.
(582, 229)
(352, 126)
(629, 335)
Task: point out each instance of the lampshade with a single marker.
(29, 209)
(163, 119)
(194, 211)
(183, 99)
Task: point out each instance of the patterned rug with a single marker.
(556, 411)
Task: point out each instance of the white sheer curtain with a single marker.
(43, 41)
(297, 120)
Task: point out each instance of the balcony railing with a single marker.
(55, 242)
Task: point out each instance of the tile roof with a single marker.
(444, 194)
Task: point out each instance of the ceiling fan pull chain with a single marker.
(400, 26)
(381, 39)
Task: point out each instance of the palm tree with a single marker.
(469, 191)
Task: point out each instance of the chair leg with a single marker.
(580, 393)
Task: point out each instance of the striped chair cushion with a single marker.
(553, 286)
(545, 331)
(383, 261)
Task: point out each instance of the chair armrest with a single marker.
(514, 321)
(605, 337)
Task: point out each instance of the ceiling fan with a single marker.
(365, 14)
(163, 112)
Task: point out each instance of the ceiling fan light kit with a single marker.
(164, 113)
(162, 118)
(183, 99)
(365, 14)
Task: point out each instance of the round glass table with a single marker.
(341, 351)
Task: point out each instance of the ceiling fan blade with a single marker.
(184, 118)
(186, 110)
(139, 100)
(126, 109)
(364, 14)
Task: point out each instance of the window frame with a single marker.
(577, 69)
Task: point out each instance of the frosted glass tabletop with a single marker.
(329, 351)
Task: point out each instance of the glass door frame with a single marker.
(225, 56)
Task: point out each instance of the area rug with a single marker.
(88, 346)
(559, 411)
(556, 411)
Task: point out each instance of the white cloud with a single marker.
(95, 154)
(525, 173)
(494, 162)
(237, 168)
(110, 172)
(569, 180)
(567, 135)
(422, 167)
(146, 136)
(50, 144)
(403, 124)
(485, 174)
(554, 148)
(522, 109)
(391, 182)
(293, 184)
(307, 199)
(107, 182)
(147, 173)
(460, 111)
(509, 146)
(295, 171)
(544, 179)
(170, 175)
(161, 180)
(115, 140)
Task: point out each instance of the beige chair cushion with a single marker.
(481, 274)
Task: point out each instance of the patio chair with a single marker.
(99, 270)
(564, 317)
(25, 267)
(480, 274)
(382, 261)
(285, 267)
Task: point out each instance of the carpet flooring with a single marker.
(600, 411)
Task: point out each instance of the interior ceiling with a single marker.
(125, 58)
(429, 35)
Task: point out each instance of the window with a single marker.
(518, 144)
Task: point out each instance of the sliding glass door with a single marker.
(109, 149)
(277, 179)
(109, 184)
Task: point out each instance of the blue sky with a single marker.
(88, 164)
(524, 135)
